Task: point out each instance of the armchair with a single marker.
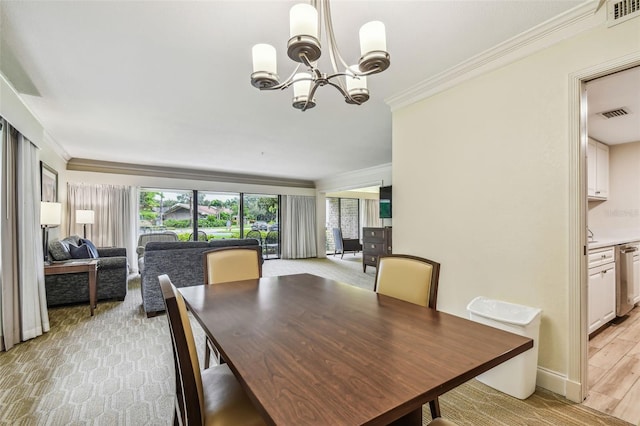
(343, 245)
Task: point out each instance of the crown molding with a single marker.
(561, 27)
(371, 176)
(86, 165)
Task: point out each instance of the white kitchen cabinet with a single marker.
(602, 287)
(597, 170)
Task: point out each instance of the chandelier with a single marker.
(305, 24)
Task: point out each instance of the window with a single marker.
(343, 213)
(219, 215)
(166, 209)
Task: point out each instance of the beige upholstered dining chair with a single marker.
(409, 278)
(234, 263)
(412, 279)
(203, 397)
(226, 264)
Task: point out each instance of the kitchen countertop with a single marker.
(613, 240)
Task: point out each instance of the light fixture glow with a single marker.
(304, 48)
(85, 217)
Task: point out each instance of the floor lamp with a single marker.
(50, 217)
(85, 217)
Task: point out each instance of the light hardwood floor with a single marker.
(614, 369)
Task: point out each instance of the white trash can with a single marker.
(517, 376)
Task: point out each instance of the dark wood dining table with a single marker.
(312, 351)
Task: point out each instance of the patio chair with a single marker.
(202, 236)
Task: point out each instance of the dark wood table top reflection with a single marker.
(309, 350)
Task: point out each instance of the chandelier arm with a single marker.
(344, 93)
(288, 82)
(312, 92)
(364, 73)
(313, 69)
(334, 51)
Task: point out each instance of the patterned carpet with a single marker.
(116, 369)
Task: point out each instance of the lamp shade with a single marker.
(301, 84)
(264, 58)
(354, 83)
(50, 213)
(373, 37)
(85, 216)
(303, 20)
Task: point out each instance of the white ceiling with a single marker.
(167, 82)
(615, 91)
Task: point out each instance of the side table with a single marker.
(75, 266)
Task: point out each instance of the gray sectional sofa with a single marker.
(181, 261)
(113, 269)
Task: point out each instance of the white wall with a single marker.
(481, 181)
(620, 214)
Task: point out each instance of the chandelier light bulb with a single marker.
(264, 58)
(301, 88)
(303, 20)
(356, 86)
(373, 37)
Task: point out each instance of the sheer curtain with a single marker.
(23, 304)
(114, 215)
(370, 214)
(298, 227)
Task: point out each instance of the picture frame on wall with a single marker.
(48, 183)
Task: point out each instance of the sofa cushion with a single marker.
(59, 249)
(79, 252)
(93, 251)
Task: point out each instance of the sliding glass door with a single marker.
(261, 221)
(216, 215)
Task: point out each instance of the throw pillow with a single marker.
(59, 250)
(93, 251)
(79, 252)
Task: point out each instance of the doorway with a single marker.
(612, 404)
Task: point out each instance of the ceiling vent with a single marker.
(614, 113)
(621, 10)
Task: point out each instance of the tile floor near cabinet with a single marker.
(614, 369)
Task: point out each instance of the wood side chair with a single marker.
(227, 264)
(203, 397)
(412, 279)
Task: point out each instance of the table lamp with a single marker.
(85, 217)
(50, 217)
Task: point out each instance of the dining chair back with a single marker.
(212, 396)
(189, 388)
(409, 278)
(412, 279)
(235, 263)
(227, 264)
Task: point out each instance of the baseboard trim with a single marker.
(552, 381)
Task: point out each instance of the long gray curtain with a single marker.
(298, 227)
(114, 214)
(23, 305)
